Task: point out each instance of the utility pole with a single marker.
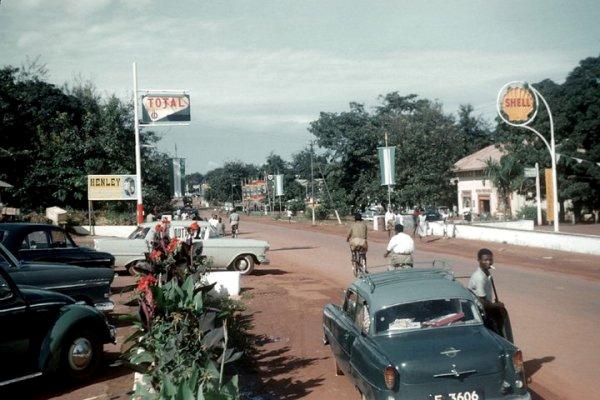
(138, 156)
(312, 184)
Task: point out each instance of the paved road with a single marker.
(555, 316)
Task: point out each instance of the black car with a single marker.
(46, 332)
(433, 215)
(89, 285)
(42, 242)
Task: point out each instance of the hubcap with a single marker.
(242, 264)
(80, 354)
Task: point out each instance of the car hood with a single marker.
(34, 295)
(60, 271)
(419, 355)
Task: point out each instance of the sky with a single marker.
(258, 72)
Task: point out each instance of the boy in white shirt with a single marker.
(401, 246)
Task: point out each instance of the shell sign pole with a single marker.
(517, 105)
(160, 108)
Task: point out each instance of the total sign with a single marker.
(165, 108)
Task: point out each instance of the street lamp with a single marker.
(550, 146)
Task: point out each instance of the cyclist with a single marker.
(357, 236)
(402, 247)
(234, 221)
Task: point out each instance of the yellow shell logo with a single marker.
(518, 103)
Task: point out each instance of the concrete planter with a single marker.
(227, 283)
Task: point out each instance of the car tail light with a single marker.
(389, 376)
(518, 361)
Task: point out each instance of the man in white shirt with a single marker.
(389, 221)
(481, 280)
(401, 246)
(214, 221)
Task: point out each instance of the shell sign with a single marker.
(517, 103)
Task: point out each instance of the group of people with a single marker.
(419, 221)
(216, 222)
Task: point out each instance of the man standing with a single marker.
(481, 280)
(402, 247)
(415, 216)
(214, 221)
(234, 221)
(389, 221)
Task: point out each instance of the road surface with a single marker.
(554, 315)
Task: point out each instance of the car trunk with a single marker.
(420, 356)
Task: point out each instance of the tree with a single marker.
(474, 131)
(507, 177)
(225, 182)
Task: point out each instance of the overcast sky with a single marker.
(259, 71)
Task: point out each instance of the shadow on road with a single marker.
(294, 248)
(534, 365)
(271, 271)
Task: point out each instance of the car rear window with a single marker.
(426, 315)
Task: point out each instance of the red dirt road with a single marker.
(554, 314)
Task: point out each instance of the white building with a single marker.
(476, 193)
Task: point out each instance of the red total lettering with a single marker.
(158, 102)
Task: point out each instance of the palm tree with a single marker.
(507, 176)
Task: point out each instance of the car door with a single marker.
(348, 331)
(35, 246)
(62, 249)
(362, 357)
(14, 334)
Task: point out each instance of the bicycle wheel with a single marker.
(363, 264)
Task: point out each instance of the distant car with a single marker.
(226, 253)
(42, 242)
(88, 285)
(433, 214)
(369, 215)
(419, 334)
(46, 332)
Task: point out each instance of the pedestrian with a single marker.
(415, 216)
(221, 227)
(150, 217)
(214, 221)
(401, 246)
(289, 215)
(423, 225)
(481, 284)
(388, 218)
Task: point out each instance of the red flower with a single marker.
(145, 282)
(172, 246)
(194, 226)
(159, 228)
(155, 255)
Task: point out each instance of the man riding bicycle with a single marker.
(234, 221)
(357, 236)
(402, 247)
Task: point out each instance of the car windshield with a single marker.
(426, 315)
(139, 233)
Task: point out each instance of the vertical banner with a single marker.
(387, 163)
(279, 185)
(177, 177)
(549, 195)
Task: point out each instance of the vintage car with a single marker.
(42, 242)
(419, 334)
(88, 285)
(47, 332)
(225, 253)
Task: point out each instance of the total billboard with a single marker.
(112, 187)
(158, 108)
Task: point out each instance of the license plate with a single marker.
(466, 395)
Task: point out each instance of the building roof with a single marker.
(476, 161)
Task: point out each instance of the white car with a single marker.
(225, 253)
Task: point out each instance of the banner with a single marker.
(387, 163)
(278, 185)
(254, 191)
(165, 108)
(177, 177)
(549, 195)
(112, 187)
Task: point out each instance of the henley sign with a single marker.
(111, 187)
(165, 108)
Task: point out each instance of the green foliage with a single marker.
(51, 138)
(507, 177)
(530, 212)
(224, 183)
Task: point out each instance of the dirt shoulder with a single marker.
(582, 265)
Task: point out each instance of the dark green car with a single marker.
(45, 332)
(419, 334)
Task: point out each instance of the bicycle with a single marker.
(359, 262)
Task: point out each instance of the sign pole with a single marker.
(537, 194)
(138, 158)
(389, 205)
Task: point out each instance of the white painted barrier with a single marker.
(584, 244)
(227, 283)
(522, 224)
(111, 230)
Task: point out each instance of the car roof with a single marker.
(13, 226)
(385, 289)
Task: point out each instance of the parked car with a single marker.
(46, 332)
(42, 242)
(89, 285)
(432, 214)
(226, 253)
(419, 334)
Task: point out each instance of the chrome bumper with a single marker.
(105, 306)
(262, 259)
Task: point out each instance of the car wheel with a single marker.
(244, 264)
(80, 354)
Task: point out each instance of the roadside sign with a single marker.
(112, 187)
(279, 185)
(387, 163)
(165, 108)
(517, 104)
(549, 194)
(530, 172)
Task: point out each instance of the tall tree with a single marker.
(507, 177)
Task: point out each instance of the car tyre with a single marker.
(81, 351)
(244, 264)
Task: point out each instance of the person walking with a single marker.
(289, 215)
(423, 225)
(415, 216)
(389, 221)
